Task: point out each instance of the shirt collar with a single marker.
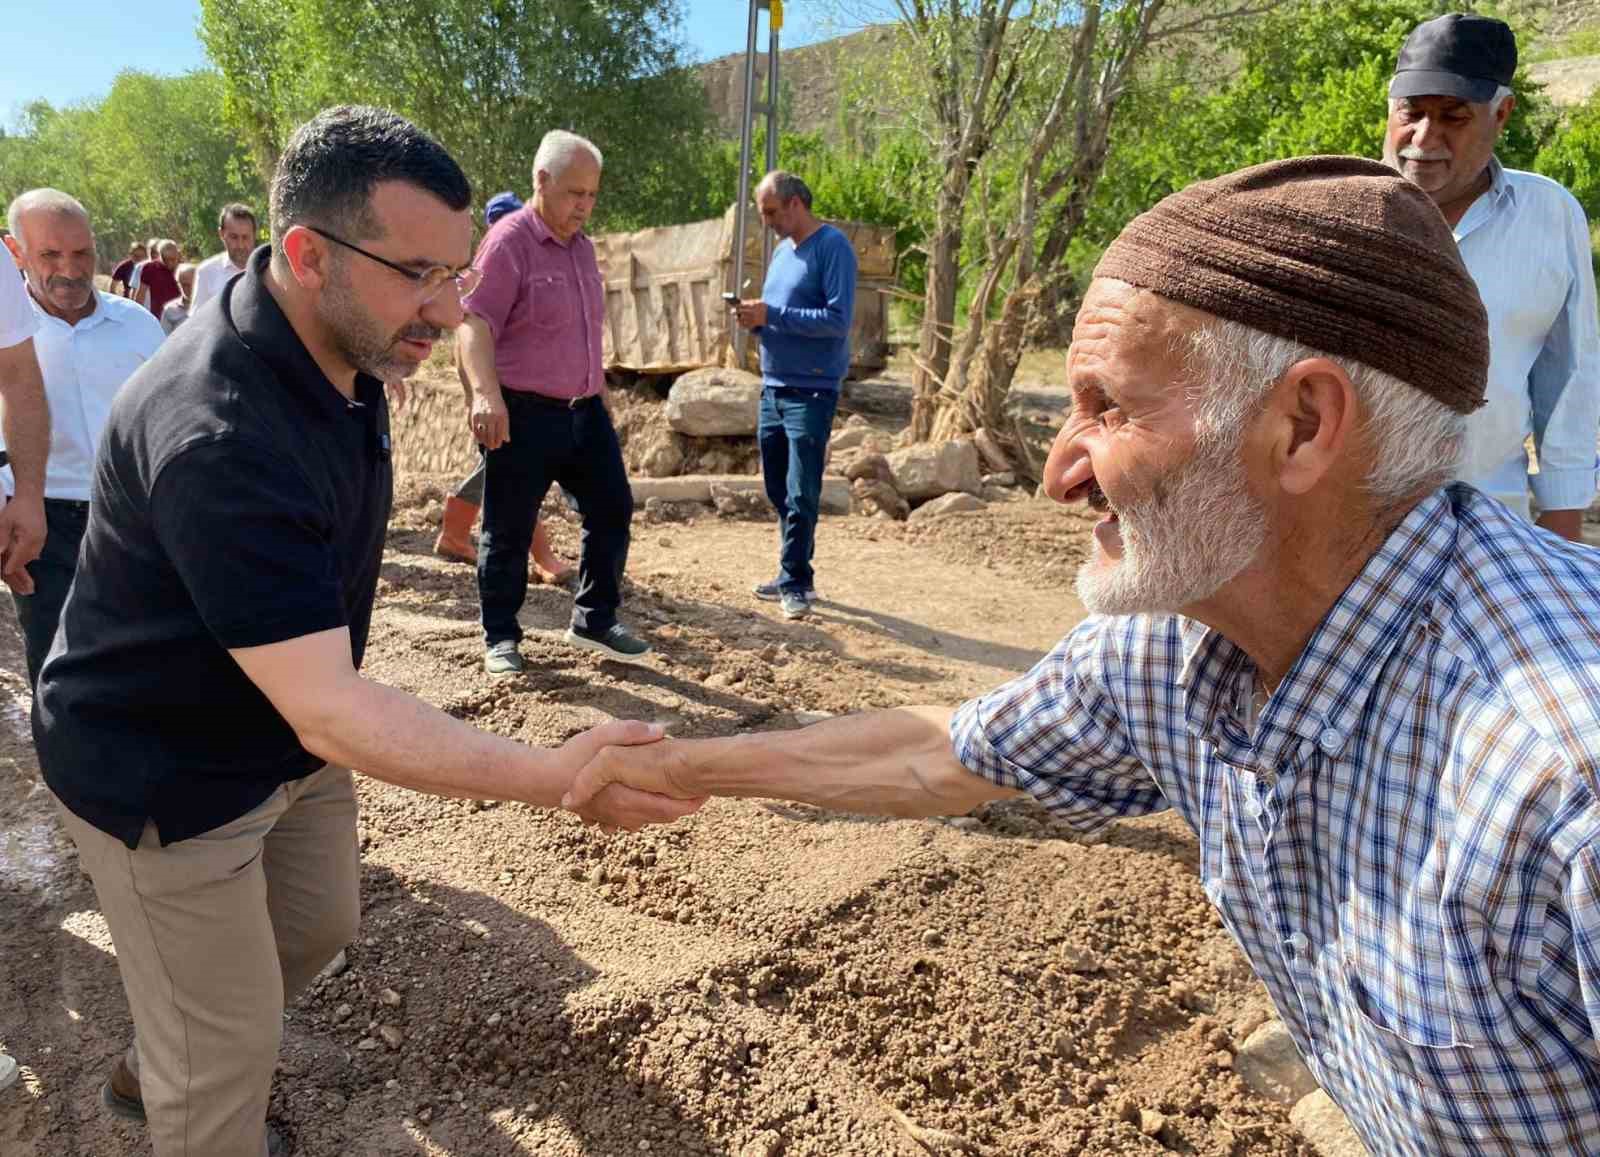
(542, 233)
(1329, 684)
(101, 315)
(261, 325)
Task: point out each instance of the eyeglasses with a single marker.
(430, 281)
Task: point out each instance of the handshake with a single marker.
(622, 776)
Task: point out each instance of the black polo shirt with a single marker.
(239, 499)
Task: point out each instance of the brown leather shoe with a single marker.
(455, 532)
(120, 1094)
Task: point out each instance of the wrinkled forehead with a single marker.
(1132, 337)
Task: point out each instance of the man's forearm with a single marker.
(896, 763)
(398, 738)
(1567, 523)
(476, 344)
(26, 423)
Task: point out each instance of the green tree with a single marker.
(153, 157)
(488, 78)
(1304, 77)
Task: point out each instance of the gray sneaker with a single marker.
(771, 592)
(503, 658)
(795, 606)
(618, 643)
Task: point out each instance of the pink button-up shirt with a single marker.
(545, 303)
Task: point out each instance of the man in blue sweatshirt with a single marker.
(803, 320)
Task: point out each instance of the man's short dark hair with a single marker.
(327, 172)
(238, 211)
(788, 186)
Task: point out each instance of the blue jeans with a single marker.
(793, 431)
(578, 448)
(52, 571)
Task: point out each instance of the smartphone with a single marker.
(731, 299)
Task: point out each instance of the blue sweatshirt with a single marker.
(810, 293)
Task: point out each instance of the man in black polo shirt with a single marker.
(201, 707)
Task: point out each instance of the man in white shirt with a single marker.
(87, 343)
(25, 423)
(237, 227)
(1526, 243)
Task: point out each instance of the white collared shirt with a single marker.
(210, 276)
(17, 325)
(16, 319)
(1526, 244)
(84, 366)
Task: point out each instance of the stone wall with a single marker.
(429, 433)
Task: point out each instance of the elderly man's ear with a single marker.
(1309, 425)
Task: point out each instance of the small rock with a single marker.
(391, 1084)
(343, 1013)
(1270, 1064)
(1324, 1126)
(476, 928)
(494, 1020)
(768, 1144)
(1003, 479)
(954, 503)
(9, 1071)
(334, 967)
(1151, 1123)
(870, 466)
(389, 997)
(932, 939)
(366, 1044)
(966, 823)
(392, 1036)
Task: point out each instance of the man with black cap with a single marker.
(1526, 243)
(1374, 695)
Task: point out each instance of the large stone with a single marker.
(708, 487)
(715, 402)
(995, 459)
(927, 470)
(1270, 1064)
(956, 503)
(1325, 1127)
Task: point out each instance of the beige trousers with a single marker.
(213, 935)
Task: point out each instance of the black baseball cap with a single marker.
(1459, 55)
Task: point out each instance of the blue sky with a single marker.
(70, 54)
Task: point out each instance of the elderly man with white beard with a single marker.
(1374, 694)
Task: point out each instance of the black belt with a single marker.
(73, 504)
(552, 403)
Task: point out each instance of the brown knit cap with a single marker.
(1337, 253)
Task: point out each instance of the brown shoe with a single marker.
(120, 1094)
(455, 533)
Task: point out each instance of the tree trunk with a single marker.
(938, 308)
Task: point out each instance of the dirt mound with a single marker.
(762, 980)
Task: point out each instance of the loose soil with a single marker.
(762, 979)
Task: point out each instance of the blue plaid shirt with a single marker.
(1406, 844)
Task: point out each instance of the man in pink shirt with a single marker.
(530, 347)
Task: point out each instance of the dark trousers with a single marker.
(793, 431)
(38, 613)
(576, 447)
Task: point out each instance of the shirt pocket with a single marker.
(1403, 1005)
(551, 302)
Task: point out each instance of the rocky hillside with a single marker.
(809, 81)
